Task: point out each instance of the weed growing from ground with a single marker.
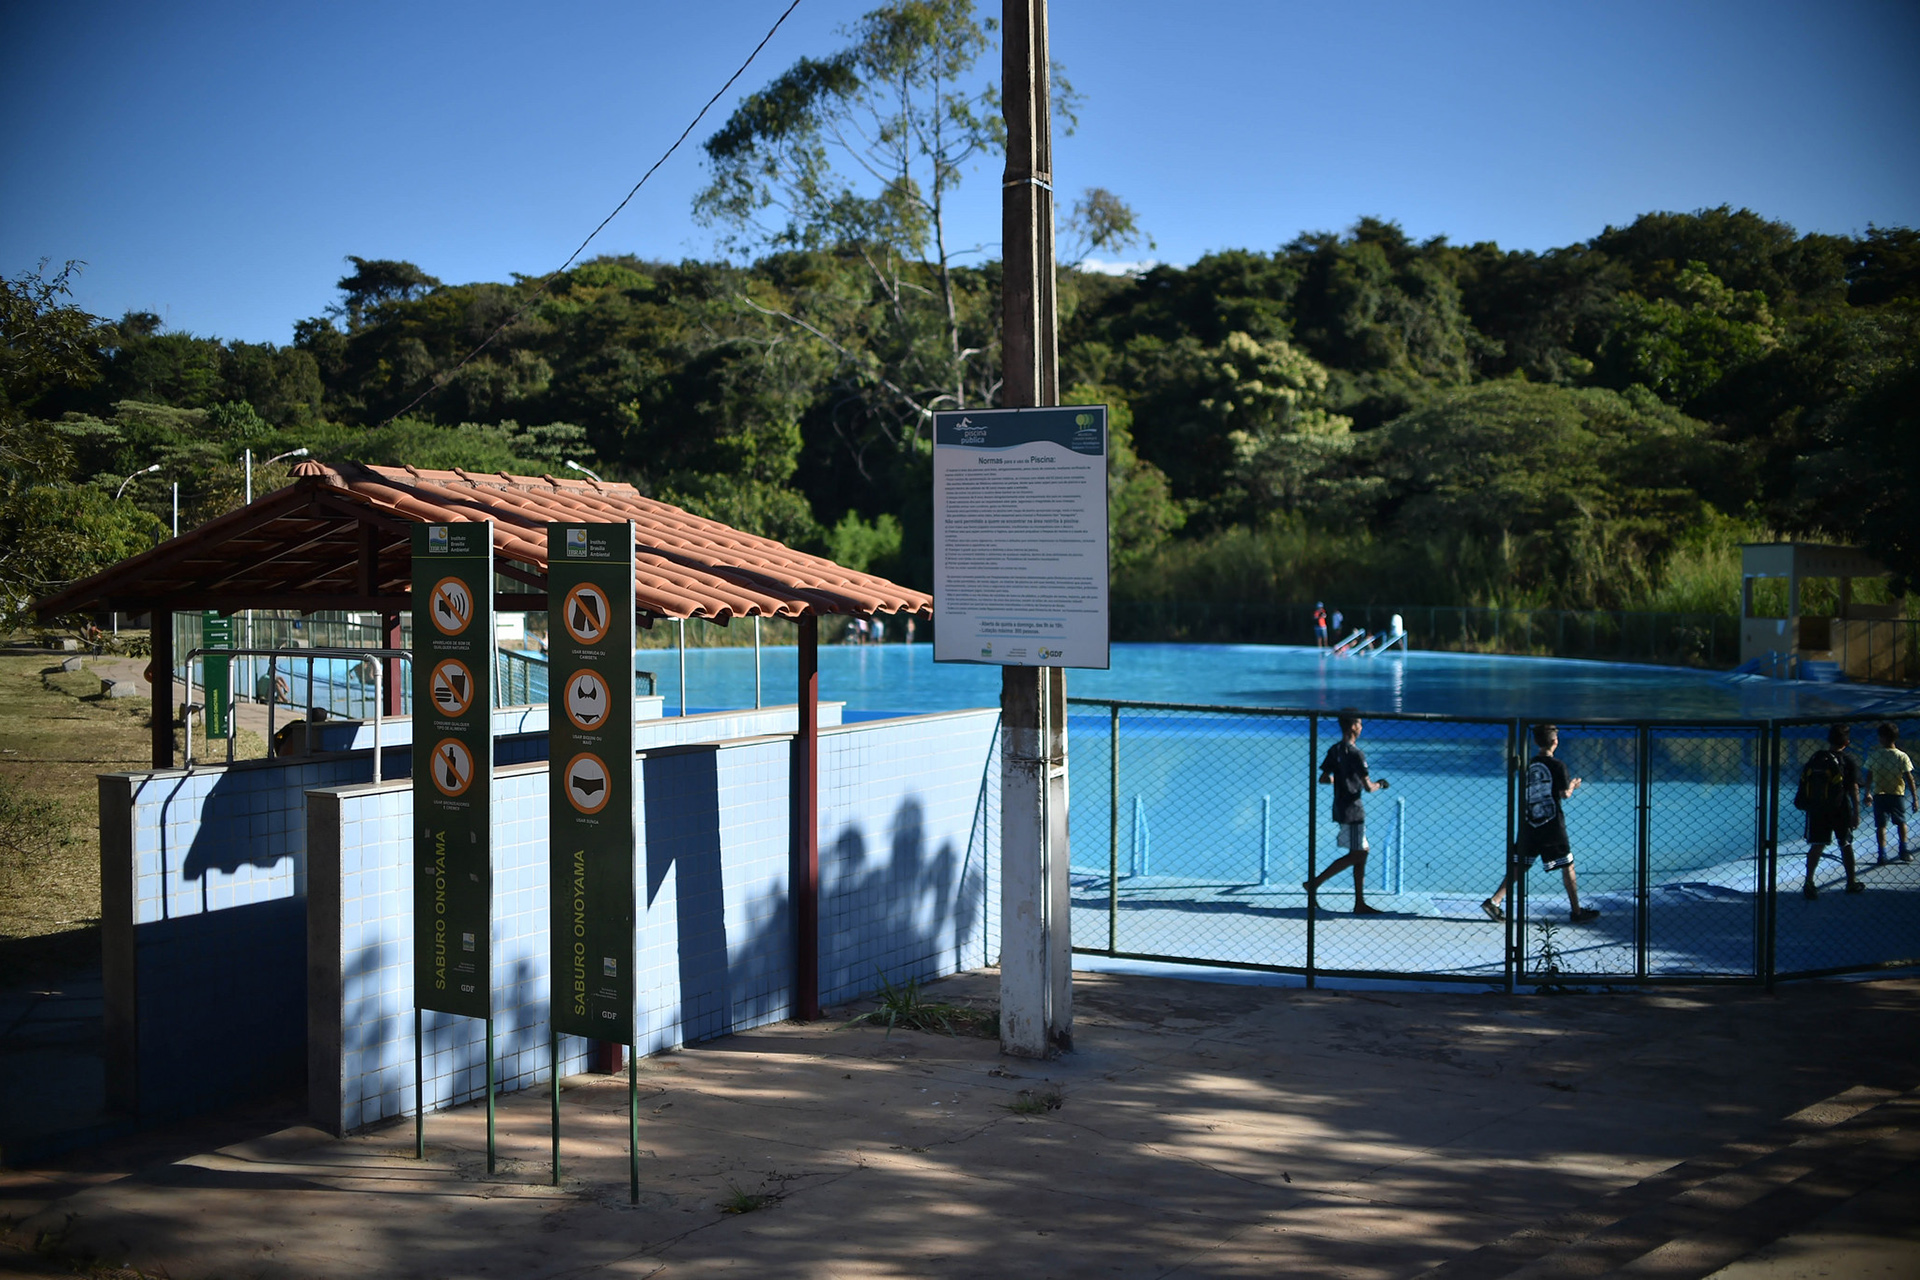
(902, 1006)
(1036, 1102)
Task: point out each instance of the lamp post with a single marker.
(144, 471)
(291, 453)
(574, 466)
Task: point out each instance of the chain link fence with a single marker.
(1194, 830)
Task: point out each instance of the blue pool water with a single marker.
(904, 679)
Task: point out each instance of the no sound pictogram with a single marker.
(451, 606)
(587, 788)
(588, 700)
(587, 613)
(452, 767)
(452, 687)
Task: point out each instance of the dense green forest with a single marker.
(1417, 422)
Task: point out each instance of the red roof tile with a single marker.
(337, 539)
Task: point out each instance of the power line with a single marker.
(441, 380)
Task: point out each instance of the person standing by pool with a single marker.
(1319, 624)
(1345, 767)
(1335, 622)
(1829, 794)
(1893, 790)
(1544, 789)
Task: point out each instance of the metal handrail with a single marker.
(374, 656)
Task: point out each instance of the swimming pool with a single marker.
(904, 679)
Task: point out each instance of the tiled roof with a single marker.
(337, 538)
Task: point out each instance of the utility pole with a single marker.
(1036, 957)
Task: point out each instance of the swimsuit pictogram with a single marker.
(588, 700)
(586, 783)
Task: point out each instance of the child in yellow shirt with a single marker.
(1894, 795)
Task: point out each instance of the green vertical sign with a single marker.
(591, 797)
(453, 767)
(216, 632)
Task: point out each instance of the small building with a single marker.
(1786, 637)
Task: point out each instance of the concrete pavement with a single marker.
(1200, 1130)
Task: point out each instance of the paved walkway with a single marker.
(1200, 1130)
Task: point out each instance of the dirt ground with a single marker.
(1196, 1130)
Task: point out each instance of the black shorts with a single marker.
(1551, 860)
(1889, 809)
(1821, 830)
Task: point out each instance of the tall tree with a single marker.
(858, 154)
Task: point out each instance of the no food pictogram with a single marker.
(587, 613)
(451, 767)
(587, 788)
(588, 700)
(451, 606)
(452, 687)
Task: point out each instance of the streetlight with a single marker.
(144, 471)
(291, 453)
(574, 466)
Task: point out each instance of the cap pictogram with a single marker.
(450, 606)
(588, 700)
(451, 767)
(586, 783)
(452, 686)
(586, 613)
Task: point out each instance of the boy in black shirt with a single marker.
(1829, 794)
(1346, 768)
(1544, 788)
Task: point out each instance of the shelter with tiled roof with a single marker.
(337, 539)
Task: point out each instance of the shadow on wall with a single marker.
(914, 913)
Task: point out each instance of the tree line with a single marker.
(1354, 413)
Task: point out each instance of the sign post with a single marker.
(216, 632)
(591, 800)
(1020, 536)
(453, 663)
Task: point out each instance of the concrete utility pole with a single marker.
(1036, 959)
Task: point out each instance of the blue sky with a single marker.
(214, 163)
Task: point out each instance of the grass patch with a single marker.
(1037, 1102)
(56, 733)
(740, 1200)
(902, 1006)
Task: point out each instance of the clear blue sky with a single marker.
(215, 162)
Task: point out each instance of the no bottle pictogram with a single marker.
(587, 614)
(451, 767)
(587, 788)
(588, 700)
(451, 606)
(452, 687)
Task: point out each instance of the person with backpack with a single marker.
(1829, 794)
(1545, 786)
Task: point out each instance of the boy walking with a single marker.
(1544, 789)
(1345, 766)
(1829, 794)
(1893, 790)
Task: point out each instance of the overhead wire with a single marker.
(440, 380)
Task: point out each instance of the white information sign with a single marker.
(1020, 537)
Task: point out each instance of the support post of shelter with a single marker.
(804, 873)
(1036, 1010)
(391, 699)
(163, 703)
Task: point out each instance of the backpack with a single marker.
(1823, 785)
